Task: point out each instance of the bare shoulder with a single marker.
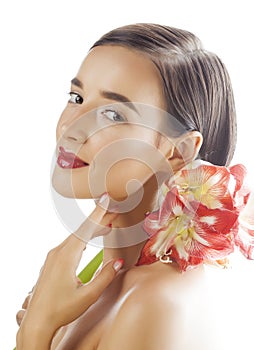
(163, 308)
(167, 282)
(153, 309)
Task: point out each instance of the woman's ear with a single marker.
(184, 149)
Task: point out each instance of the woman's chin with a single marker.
(64, 191)
(120, 184)
(66, 188)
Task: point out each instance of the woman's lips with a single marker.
(69, 160)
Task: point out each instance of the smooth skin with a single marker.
(147, 307)
(58, 292)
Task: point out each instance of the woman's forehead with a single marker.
(125, 71)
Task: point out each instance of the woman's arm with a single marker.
(59, 297)
(31, 337)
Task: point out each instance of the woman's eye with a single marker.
(113, 115)
(75, 98)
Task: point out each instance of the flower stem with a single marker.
(87, 273)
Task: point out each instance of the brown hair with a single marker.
(196, 84)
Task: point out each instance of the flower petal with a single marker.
(206, 184)
(239, 172)
(171, 205)
(215, 218)
(199, 219)
(146, 257)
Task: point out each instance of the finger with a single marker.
(101, 219)
(19, 316)
(26, 301)
(71, 249)
(101, 281)
(104, 207)
(79, 282)
(69, 252)
(97, 222)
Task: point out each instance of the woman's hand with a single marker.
(59, 297)
(21, 313)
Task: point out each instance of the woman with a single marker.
(146, 102)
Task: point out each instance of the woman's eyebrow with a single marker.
(120, 98)
(77, 82)
(109, 95)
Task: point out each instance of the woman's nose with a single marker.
(73, 133)
(78, 128)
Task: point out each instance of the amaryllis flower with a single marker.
(198, 216)
(239, 191)
(244, 237)
(205, 184)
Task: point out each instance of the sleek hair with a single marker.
(196, 84)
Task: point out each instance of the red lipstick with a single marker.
(69, 160)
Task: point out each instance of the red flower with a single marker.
(198, 217)
(244, 236)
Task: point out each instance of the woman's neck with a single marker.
(128, 237)
(129, 254)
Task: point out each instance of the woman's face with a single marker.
(100, 129)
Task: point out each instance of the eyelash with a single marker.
(116, 113)
(74, 95)
(73, 99)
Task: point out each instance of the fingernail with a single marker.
(103, 197)
(118, 264)
(109, 225)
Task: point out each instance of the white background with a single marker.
(42, 46)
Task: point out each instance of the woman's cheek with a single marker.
(126, 177)
(123, 166)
